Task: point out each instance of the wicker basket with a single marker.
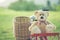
(21, 25)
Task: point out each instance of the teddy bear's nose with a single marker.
(42, 17)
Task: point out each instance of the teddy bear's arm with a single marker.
(32, 25)
(50, 23)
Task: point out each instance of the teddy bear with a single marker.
(41, 25)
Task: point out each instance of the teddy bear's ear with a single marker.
(35, 12)
(47, 13)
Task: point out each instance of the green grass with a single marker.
(6, 21)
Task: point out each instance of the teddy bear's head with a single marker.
(41, 15)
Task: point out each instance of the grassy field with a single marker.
(6, 22)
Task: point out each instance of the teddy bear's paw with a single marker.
(49, 28)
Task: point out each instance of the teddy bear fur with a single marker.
(41, 25)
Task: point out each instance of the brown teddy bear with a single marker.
(41, 25)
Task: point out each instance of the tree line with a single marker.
(23, 5)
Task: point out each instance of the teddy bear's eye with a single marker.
(40, 14)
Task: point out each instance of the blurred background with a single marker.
(12, 8)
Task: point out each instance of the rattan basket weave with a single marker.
(21, 25)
